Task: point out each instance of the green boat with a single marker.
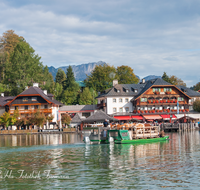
(121, 136)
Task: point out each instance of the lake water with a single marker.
(62, 161)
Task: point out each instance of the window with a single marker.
(36, 107)
(180, 99)
(34, 99)
(86, 114)
(118, 90)
(25, 99)
(114, 100)
(16, 107)
(136, 90)
(126, 100)
(143, 99)
(120, 109)
(120, 100)
(26, 107)
(114, 110)
(127, 90)
(127, 109)
(156, 89)
(167, 89)
(45, 106)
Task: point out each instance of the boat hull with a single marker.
(134, 141)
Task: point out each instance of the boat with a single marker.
(138, 133)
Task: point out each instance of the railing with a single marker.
(31, 111)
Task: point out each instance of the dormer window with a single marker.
(118, 90)
(127, 90)
(25, 99)
(135, 90)
(34, 99)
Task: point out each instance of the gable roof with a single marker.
(99, 116)
(36, 91)
(79, 108)
(188, 91)
(76, 119)
(4, 100)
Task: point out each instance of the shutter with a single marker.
(145, 99)
(164, 89)
(170, 89)
(159, 89)
(153, 89)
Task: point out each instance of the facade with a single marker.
(153, 96)
(32, 99)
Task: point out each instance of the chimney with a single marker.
(143, 81)
(115, 82)
(35, 85)
(45, 92)
(2, 94)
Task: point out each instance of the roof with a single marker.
(37, 91)
(188, 91)
(76, 119)
(4, 100)
(79, 108)
(99, 116)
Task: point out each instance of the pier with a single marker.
(171, 127)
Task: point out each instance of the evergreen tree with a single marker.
(86, 97)
(60, 76)
(165, 77)
(68, 83)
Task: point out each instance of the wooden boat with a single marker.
(139, 133)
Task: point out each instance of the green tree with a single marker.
(57, 91)
(7, 120)
(196, 87)
(70, 95)
(165, 77)
(86, 97)
(101, 77)
(196, 105)
(60, 76)
(23, 68)
(125, 75)
(69, 82)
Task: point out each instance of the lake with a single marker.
(62, 161)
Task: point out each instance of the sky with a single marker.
(151, 37)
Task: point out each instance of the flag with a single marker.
(177, 107)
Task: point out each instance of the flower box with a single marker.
(168, 111)
(146, 111)
(157, 111)
(138, 111)
(183, 110)
(168, 92)
(142, 111)
(175, 101)
(164, 110)
(187, 110)
(156, 101)
(153, 111)
(157, 92)
(161, 111)
(149, 101)
(171, 101)
(168, 101)
(149, 111)
(164, 101)
(161, 101)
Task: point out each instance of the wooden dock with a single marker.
(171, 127)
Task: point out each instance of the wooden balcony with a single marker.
(160, 103)
(101, 105)
(31, 111)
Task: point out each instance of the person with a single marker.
(105, 123)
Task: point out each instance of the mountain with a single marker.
(80, 71)
(150, 77)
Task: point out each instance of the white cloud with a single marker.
(150, 36)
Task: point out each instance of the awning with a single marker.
(148, 117)
(137, 117)
(192, 116)
(167, 116)
(124, 117)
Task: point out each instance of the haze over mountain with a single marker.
(80, 71)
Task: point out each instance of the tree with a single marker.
(196, 87)
(69, 82)
(57, 91)
(7, 120)
(69, 96)
(60, 76)
(165, 77)
(65, 118)
(101, 77)
(125, 75)
(21, 69)
(86, 97)
(196, 105)
(176, 81)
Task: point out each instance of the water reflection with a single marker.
(172, 164)
(39, 139)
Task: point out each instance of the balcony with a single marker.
(101, 105)
(31, 111)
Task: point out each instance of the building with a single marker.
(153, 96)
(32, 99)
